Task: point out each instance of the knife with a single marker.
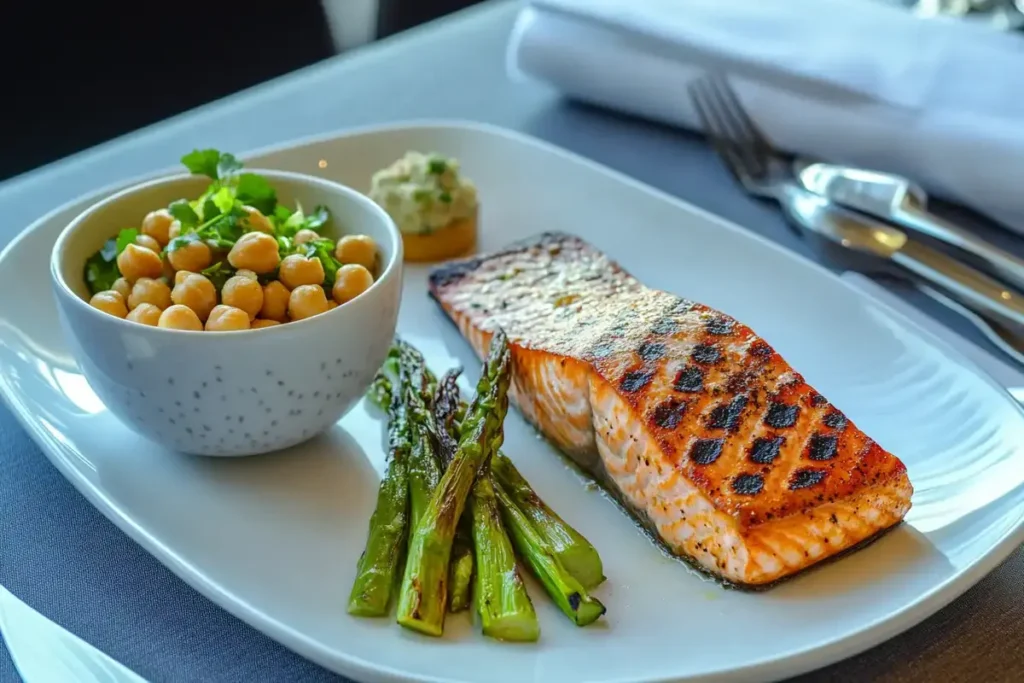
(896, 200)
(43, 652)
(866, 244)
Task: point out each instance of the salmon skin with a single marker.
(697, 426)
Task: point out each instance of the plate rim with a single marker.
(781, 665)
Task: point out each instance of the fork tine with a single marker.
(722, 135)
(754, 149)
(732, 103)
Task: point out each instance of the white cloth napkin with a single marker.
(1002, 372)
(850, 81)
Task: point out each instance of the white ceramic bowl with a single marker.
(230, 393)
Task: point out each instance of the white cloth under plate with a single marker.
(850, 81)
(1004, 373)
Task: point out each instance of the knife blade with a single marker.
(43, 652)
(896, 200)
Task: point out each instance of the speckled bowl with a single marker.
(230, 393)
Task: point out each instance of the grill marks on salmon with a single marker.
(708, 436)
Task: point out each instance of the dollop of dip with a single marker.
(424, 192)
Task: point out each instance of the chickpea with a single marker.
(227, 319)
(260, 322)
(180, 317)
(246, 273)
(358, 249)
(195, 292)
(147, 242)
(275, 301)
(306, 301)
(331, 304)
(149, 291)
(180, 276)
(255, 251)
(351, 281)
(305, 235)
(244, 293)
(174, 231)
(157, 224)
(122, 287)
(299, 270)
(109, 302)
(135, 262)
(145, 314)
(193, 256)
(255, 221)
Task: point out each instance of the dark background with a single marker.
(77, 74)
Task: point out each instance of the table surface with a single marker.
(67, 561)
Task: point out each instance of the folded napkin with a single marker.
(850, 81)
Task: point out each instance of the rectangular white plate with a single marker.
(275, 539)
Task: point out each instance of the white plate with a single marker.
(275, 539)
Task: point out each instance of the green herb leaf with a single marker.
(294, 223)
(100, 273)
(445, 197)
(181, 241)
(109, 250)
(285, 246)
(126, 237)
(324, 251)
(281, 214)
(210, 209)
(218, 273)
(437, 166)
(183, 212)
(228, 165)
(212, 163)
(223, 199)
(255, 191)
(316, 220)
(202, 162)
(421, 195)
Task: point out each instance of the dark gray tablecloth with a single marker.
(67, 561)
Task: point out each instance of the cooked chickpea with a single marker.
(246, 273)
(255, 221)
(145, 314)
(255, 251)
(109, 302)
(180, 276)
(174, 231)
(306, 301)
(351, 281)
(358, 249)
(149, 291)
(122, 287)
(244, 293)
(147, 242)
(297, 270)
(135, 262)
(197, 293)
(227, 319)
(157, 224)
(275, 301)
(331, 304)
(193, 256)
(260, 322)
(305, 235)
(180, 317)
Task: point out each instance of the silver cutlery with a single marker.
(894, 199)
(861, 241)
(43, 652)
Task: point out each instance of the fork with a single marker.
(859, 241)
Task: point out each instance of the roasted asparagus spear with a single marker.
(424, 592)
(381, 558)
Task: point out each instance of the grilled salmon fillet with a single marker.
(699, 428)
